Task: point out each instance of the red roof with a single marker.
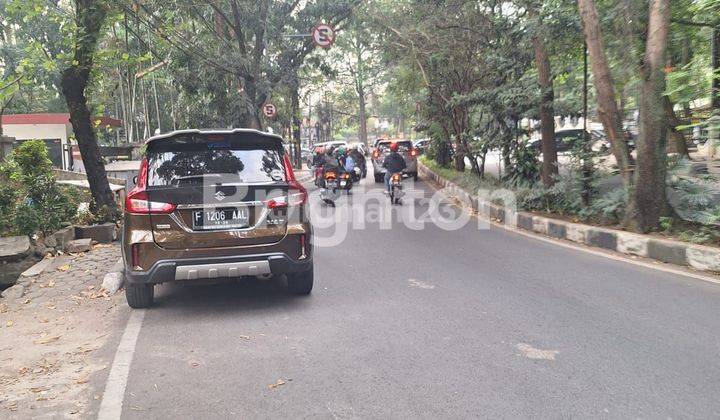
(42, 119)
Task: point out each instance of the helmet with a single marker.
(320, 150)
(341, 151)
(393, 147)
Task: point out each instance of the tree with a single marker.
(650, 200)
(606, 106)
(547, 115)
(90, 17)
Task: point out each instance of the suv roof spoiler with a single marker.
(176, 133)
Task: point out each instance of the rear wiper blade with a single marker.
(191, 178)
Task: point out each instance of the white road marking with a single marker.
(420, 284)
(112, 399)
(532, 353)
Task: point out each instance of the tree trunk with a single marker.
(650, 201)
(90, 16)
(605, 88)
(547, 120)
(74, 82)
(362, 116)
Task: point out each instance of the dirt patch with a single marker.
(49, 340)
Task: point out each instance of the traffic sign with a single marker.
(323, 35)
(269, 110)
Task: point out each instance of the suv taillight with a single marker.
(137, 200)
(376, 154)
(297, 194)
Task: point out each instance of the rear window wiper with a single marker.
(191, 179)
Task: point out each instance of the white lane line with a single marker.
(112, 399)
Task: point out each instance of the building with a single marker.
(54, 129)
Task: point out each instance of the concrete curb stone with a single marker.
(667, 252)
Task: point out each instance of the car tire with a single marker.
(139, 295)
(378, 178)
(301, 283)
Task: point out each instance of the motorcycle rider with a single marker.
(393, 164)
(317, 163)
(359, 160)
(347, 160)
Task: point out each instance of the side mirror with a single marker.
(135, 180)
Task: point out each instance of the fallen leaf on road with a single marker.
(9, 324)
(44, 320)
(23, 371)
(51, 283)
(65, 267)
(194, 364)
(26, 301)
(82, 381)
(245, 337)
(279, 382)
(47, 340)
(39, 389)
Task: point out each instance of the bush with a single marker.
(30, 200)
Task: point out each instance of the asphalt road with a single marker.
(435, 324)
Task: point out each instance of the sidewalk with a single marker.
(50, 337)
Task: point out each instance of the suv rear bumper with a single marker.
(217, 267)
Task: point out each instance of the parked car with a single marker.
(215, 204)
(406, 150)
(422, 145)
(566, 140)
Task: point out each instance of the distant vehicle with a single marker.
(334, 144)
(567, 140)
(422, 145)
(215, 204)
(359, 146)
(406, 150)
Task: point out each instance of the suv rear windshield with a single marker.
(194, 162)
(402, 145)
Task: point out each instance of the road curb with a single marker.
(699, 257)
(114, 280)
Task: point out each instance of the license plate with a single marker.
(343, 183)
(221, 218)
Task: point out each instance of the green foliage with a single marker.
(525, 169)
(30, 199)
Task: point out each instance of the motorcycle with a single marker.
(396, 189)
(346, 181)
(329, 194)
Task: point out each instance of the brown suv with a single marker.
(215, 204)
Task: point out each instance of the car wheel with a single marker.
(301, 283)
(378, 178)
(139, 295)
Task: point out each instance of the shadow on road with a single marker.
(246, 294)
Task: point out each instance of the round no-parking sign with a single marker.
(323, 35)
(269, 110)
